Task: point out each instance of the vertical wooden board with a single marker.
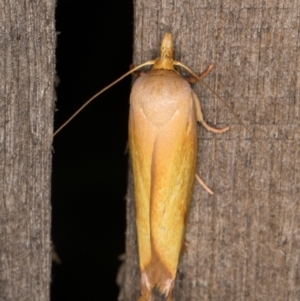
(242, 242)
(27, 51)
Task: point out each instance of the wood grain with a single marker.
(243, 242)
(27, 49)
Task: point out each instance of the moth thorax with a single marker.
(163, 63)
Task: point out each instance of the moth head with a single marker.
(166, 48)
(165, 59)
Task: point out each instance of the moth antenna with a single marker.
(224, 102)
(97, 94)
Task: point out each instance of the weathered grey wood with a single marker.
(27, 44)
(243, 242)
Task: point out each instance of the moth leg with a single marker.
(201, 182)
(192, 79)
(199, 116)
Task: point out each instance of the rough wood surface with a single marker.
(27, 48)
(243, 242)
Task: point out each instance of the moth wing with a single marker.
(173, 173)
(141, 142)
(163, 142)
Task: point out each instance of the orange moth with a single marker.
(164, 111)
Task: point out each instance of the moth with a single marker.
(164, 111)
